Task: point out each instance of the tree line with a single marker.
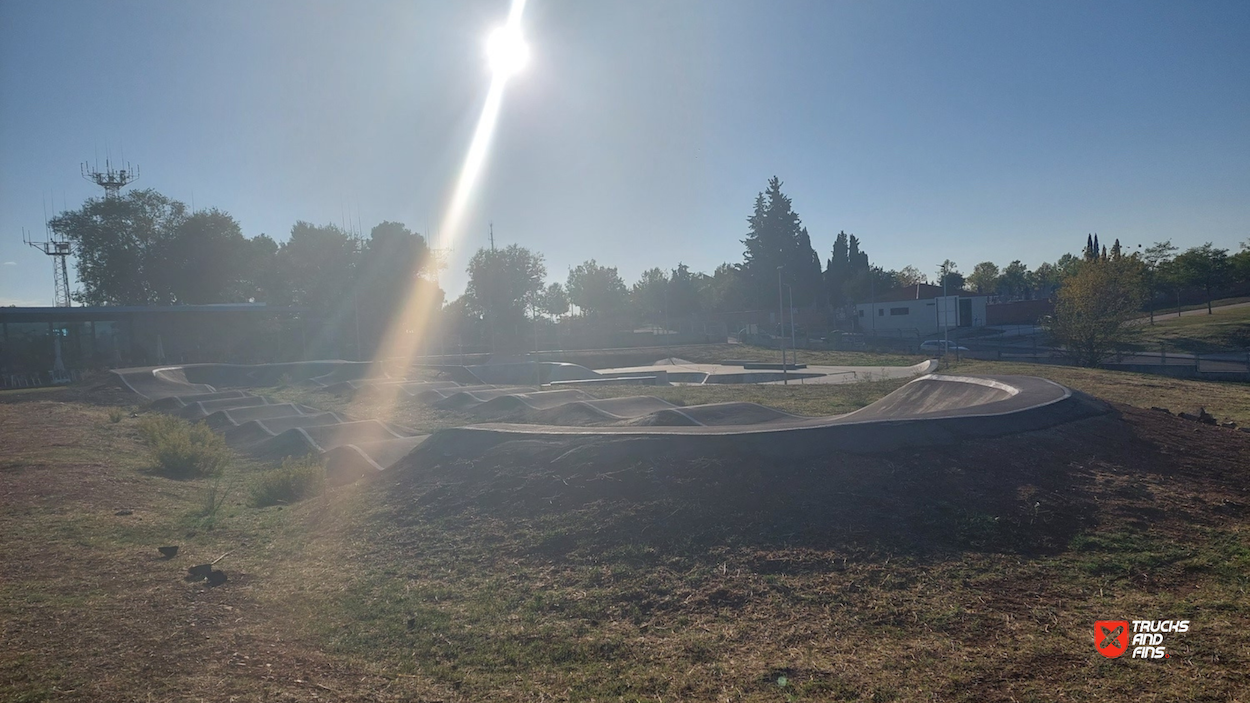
(144, 248)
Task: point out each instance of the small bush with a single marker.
(116, 415)
(184, 450)
(294, 480)
(154, 426)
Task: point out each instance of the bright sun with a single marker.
(506, 51)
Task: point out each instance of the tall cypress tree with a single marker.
(776, 237)
(837, 269)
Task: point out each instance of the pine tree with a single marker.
(777, 238)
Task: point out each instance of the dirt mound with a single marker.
(518, 403)
(1026, 492)
(250, 433)
(468, 396)
(174, 402)
(204, 408)
(350, 462)
(293, 442)
(326, 437)
(222, 419)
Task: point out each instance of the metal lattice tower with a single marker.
(58, 248)
(110, 179)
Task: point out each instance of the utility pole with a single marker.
(781, 320)
(490, 312)
(794, 347)
(945, 314)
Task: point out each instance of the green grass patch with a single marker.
(293, 481)
(184, 450)
(1223, 330)
(1224, 400)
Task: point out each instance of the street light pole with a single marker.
(781, 338)
(794, 347)
(946, 326)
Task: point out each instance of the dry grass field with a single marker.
(971, 572)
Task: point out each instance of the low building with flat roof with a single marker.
(920, 310)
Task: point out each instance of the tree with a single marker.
(984, 277)
(949, 277)
(390, 283)
(503, 285)
(597, 290)
(116, 243)
(203, 260)
(259, 268)
(553, 302)
(684, 292)
(837, 269)
(1204, 267)
(649, 296)
(143, 248)
(1067, 265)
(1239, 264)
(1155, 259)
(849, 277)
(315, 269)
(1014, 281)
(910, 276)
(1095, 308)
(726, 289)
(777, 238)
(1046, 279)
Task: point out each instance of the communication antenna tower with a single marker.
(441, 254)
(58, 248)
(110, 179)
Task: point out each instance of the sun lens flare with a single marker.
(506, 54)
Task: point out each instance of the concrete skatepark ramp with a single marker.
(929, 410)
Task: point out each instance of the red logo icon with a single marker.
(1111, 637)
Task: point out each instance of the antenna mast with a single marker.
(58, 248)
(110, 179)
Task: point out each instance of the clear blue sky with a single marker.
(642, 130)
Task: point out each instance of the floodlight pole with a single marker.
(946, 310)
(794, 346)
(781, 338)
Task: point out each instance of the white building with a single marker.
(920, 310)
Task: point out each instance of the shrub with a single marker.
(154, 426)
(184, 450)
(294, 480)
(116, 415)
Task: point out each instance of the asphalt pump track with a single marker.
(932, 409)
